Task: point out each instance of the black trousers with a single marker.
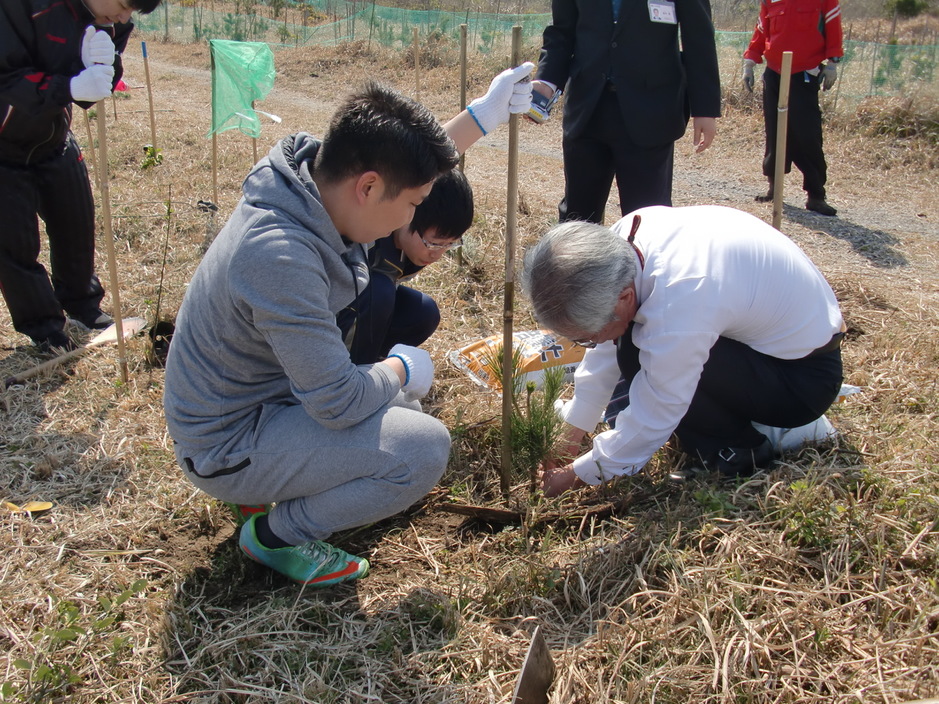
(803, 132)
(643, 175)
(56, 190)
(739, 386)
(385, 315)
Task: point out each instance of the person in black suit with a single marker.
(629, 92)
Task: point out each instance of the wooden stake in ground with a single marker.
(782, 125)
(104, 187)
(254, 143)
(131, 327)
(511, 219)
(537, 673)
(214, 168)
(458, 254)
(91, 144)
(417, 65)
(146, 73)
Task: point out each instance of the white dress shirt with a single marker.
(708, 271)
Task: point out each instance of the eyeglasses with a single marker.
(441, 246)
(589, 344)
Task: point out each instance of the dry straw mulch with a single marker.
(815, 582)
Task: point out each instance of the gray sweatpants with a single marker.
(327, 480)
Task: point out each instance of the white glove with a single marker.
(829, 75)
(419, 370)
(748, 65)
(92, 84)
(97, 48)
(508, 94)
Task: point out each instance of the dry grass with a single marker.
(817, 582)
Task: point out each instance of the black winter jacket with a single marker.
(40, 52)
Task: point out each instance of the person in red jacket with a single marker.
(53, 53)
(811, 30)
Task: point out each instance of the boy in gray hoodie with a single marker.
(262, 400)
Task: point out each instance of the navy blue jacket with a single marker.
(658, 86)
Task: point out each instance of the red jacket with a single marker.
(810, 29)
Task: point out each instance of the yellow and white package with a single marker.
(537, 350)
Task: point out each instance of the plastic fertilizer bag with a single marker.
(537, 350)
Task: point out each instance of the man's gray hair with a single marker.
(574, 276)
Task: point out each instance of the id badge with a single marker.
(662, 11)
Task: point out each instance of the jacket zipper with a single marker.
(35, 147)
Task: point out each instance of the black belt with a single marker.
(830, 346)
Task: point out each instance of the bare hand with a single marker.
(542, 87)
(556, 480)
(705, 129)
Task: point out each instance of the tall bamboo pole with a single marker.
(254, 142)
(91, 145)
(104, 186)
(417, 64)
(458, 255)
(511, 221)
(462, 82)
(146, 73)
(782, 125)
(215, 168)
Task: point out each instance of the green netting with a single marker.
(334, 22)
(242, 72)
(867, 70)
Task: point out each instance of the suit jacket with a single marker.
(657, 85)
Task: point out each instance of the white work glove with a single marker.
(419, 370)
(92, 84)
(508, 94)
(829, 75)
(97, 48)
(748, 65)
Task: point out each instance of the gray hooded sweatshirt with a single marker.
(258, 323)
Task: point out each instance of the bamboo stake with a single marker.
(841, 67)
(462, 82)
(417, 65)
(104, 186)
(511, 220)
(91, 145)
(459, 252)
(254, 142)
(215, 168)
(146, 72)
(782, 125)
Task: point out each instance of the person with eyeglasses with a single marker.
(716, 320)
(388, 313)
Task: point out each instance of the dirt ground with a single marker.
(98, 449)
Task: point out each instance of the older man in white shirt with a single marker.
(715, 319)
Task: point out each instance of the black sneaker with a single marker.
(768, 198)
(728, 462)
(96, 320)
(819, 205)
(743, 461)
(56, 342)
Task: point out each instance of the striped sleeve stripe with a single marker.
(833, 13)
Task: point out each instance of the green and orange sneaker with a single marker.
(242, 512)
(317, 564)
